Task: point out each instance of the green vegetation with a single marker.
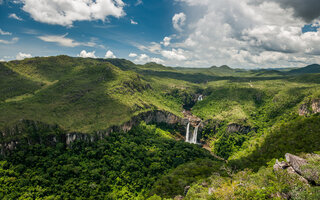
(121, 166)
(250, 119)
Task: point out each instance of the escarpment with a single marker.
(34, 132)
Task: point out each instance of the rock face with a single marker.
(306, 172)
(303, 110)
(315, 106)
(295, 162)
(309, 108)
(32, 132)
(236, 128)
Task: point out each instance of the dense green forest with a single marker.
(76, 128)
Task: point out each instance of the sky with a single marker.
(188, 33)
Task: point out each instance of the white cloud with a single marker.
(12, 41)
(153, 48)
(144, 58)
(133, 22)
(166, 41)
(21, 56)
(65, 12)
(174, 54)
(243, 34)
(110, 54)
(178, 20)
(4, 32)
(14, 16)
(132, 55)
(139, 2)
(63, 41)
(85, 54)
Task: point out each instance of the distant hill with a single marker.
(310, 69)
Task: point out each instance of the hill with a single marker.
(310, 69)
(81, 128)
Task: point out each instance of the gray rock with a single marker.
(179, 197)
(303, 110)
(186, 190)
(316, 106)
(280, 165)
(295, 162)
(210, 191)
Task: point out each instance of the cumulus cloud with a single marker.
(4, 32)
(21, 56)
(144, 58)
(133, 22)
(14, 16)
(65, 12)
(85, 54)
(178, 21)
(110, 54)
(308, 10)
(174, 54)
(166, 41)
(133, 55)
(62, 40)
(248, 33)
(12, 41)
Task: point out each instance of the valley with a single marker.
(85, 128)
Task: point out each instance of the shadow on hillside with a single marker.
(203, 78)
(300, 135)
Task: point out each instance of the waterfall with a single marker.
(187, 134)
(195, 135)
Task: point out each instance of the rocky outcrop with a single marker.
(299, 167)
(33, 132)
(304, 110)
(157, 117)
(237, 128)
(315, 106)
(295, 162)
(309, 108)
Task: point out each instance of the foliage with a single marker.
(121, 166)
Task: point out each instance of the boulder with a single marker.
(237, 128)
(280, 165)
(211, 191)
(315, 106)
(304, 110)
(307, 171)
(179, 197)
(296, 162)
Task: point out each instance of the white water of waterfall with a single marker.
(187, 133)
(195, 135)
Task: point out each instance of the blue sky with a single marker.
(191, 33)
(116, 34)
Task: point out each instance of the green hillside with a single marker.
(248, 119)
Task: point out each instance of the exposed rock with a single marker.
(236, 128)
(186, 190)
(11, 137)
(280, 165)
(211, 191)
(296, 162)
(279, 195)
(179, 197)
(304, 110)
(315, 106)
(306, 172)
(204, 184)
